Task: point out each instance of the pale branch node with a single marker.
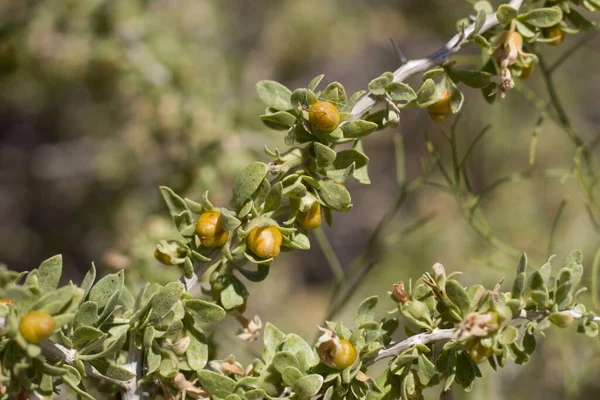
(438, 335)
(414, 67)
(55, 351)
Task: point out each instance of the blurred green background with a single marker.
(103, 101)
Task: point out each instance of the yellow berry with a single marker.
(36, 326)
(554, 32)
(527, 71)
(478, 352)
(439, 110)
(339, 355)
(210, 229)
(324, 116)
(265, 241)
(310, 219)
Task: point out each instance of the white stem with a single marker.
(413, 67)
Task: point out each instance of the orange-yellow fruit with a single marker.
(439, 110)
(6, 301)
(310, 219)
(210, 230)
(324, 116)
(37, 326)
(339, 357)
(265, 241)
(554, 32)
(478, 352)
(527, 71)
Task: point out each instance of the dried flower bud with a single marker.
(324, 116)
(478, 325)
(399, 292)
(179, 347)
(228, 366)
(250, 328)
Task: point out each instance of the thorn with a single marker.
(398, 52)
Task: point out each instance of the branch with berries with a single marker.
(158, 341)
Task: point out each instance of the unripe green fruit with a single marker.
(478, 352)
(310, 219)
(210, 230)
(324, 116)
(265, 241)
(439, 110)
(162, 257)
(37, 326)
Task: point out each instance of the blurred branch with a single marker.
(329, 253)
(565, 56)
(413, 67)
(561, 208)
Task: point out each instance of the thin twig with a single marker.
(561, 208)
(329, 253)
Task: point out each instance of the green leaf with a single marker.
(335, 196)
(102, 291)
(324, 155)
(506, 14)
(247, 181)
(456, 96)
(274, 95)
(334, 93)
(474, 79)
(400, 92)
(509, 335)
(204, 311)
(273, 199)
(290, 375)
(479, 21)
(281, 120)
(111, 346)
(365, 312)
(272, 338)
(87, 314)
(303, 351)
(165, 299)
(49, 273)
(284, 359)
(307, 386)
(84, 334)
(519, 283)
(542, 17)
(216, 384)
(377, 85)
(233, 295)
(457, 294)
(561, 319)
(197, 352)
(111, 370)
(346, 157)
(426, 371)
(465, 371)
(88, 281)
(181, 215)
(315, 82)
(426, 94)
(358, 129)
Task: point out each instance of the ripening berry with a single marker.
(162, 257)
(478, 352)
(439, 110)
(6, 301)
(310, 219)
(265, 241)
(554, 32)
(527, 71)
(324, 116)
(36, 326)
(337, 355)
(210, 230)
